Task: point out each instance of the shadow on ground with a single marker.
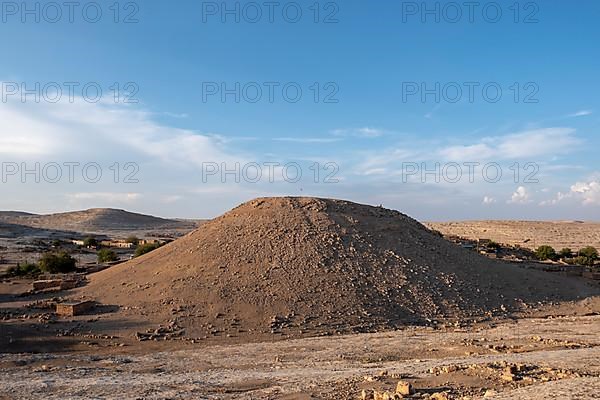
(59, 336)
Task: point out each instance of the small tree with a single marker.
(582, 260)
(106, 255)
(90, 242)
(145, 248)
(493, 246)
(589, 252)
(587, 256)
(565, 253)
(57, 263)
(24, 269)
(133, 240)
(545, 253)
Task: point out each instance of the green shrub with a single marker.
(90, 242)
(493, 245)
(24, 269)
(55, 263)
(583, 260)
(545, 253)
(565, 253)
(586, 256)
(589, 252)
(133, 240)
(145, 248)
(106, 255)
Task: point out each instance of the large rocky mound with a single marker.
(93, 220)
(309, 266)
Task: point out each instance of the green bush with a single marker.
(565, 253)
(145, 248)
(589, 252)
(582, 260)
(55, 263)
(90, 242)
(545, 253)
(586, 256)
(133, 240)
(106, 255)
(24, 269)
(493, 245)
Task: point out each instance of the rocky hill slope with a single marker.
(306, 266)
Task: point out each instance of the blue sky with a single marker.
(365, 60)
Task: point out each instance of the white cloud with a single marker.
(306, 140)
(375, 171)
(431, 113)
(384, 162)
(370, 132)
(582, 113)
(588, 192)
(100, 131)
(106, 197)
(175, 115)
(521, 145)
(468, 153)
(489, 200)
(169, 199)
(364, 132)
(585, 193)
(106, 134)
(520, 196)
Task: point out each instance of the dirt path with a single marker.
(331, 367)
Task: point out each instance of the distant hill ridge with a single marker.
(95, 219)
(529, 234)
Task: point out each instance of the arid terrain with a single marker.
(97, 220)
(303, 298)
(527, 234)
(25, 236)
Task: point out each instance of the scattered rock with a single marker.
(404, 388)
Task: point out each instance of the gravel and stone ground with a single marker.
(552, 358)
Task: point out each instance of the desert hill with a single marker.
(94, 220)
(12, 214)
(528, 234)
(314, 266)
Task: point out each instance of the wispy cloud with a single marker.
(106, 197)
(521, 145)
(83, 130)
(431, 113)
(175, 115)
(364, 132)
(306, 140)
(169, 199)
(582, 113)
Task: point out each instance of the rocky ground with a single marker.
(301, 298)
(549, 358)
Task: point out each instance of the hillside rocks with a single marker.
(304, 266)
